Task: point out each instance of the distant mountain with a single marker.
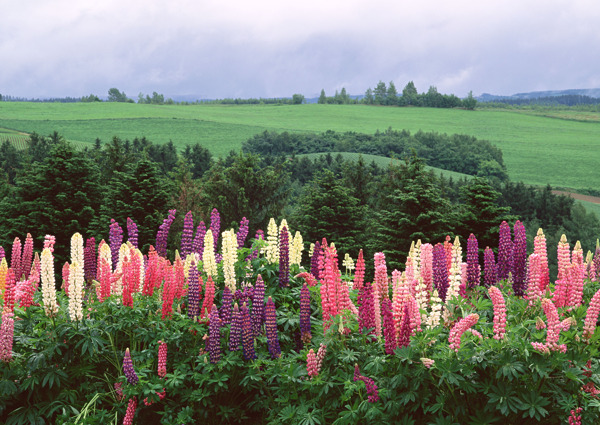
(486, 97)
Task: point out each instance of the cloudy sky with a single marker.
(264, 48)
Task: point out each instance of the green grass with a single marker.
(590, 206)
(560, 149)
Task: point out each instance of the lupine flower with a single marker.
(591, 317)
(539, 323)
(534, 279)
(242, 233)
(162, 236)
(539, 248)
(427, 266)
(128, 370)
(297, 246)
(505, 251)
(76, 291)
(490, 270)
(236, 329)
(258, 306)
(284, 258)
(229, 249)
(131, 406)
(440, 271)
(369, 383)
(311, 363)
(563, 256)
(15, 259)
(272, 248)
(366, 309)
(404, 331)
(168, 293)
(321, 356)
(473, 269)
(198, 244)
(115, 239)
(48, 283)
(162, 359)
(193, 292)
(226, 305)
(427, 362)
(314, 261)
(455, 271)
(597, 260)
(132, 232)
(574, 276)
(2, 253)
(271, 329)
(209, 297)
(208, 255)
(519, 259)
(575, 417)
(27, 255)
(359, 273)
(89, 260)
(187, 234)
(305, 331)
(7, 330)
(436, 310)
(389, 330)
(247, 335)
(3, 272)
(215, 226)
(214, 335)
(499, 312)
(553, 330)
(459, 328)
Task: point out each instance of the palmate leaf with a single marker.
(533, 404)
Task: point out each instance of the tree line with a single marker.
(52, 188)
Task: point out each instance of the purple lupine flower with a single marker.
(271, 329)
(214, 335)
(260, 235)
(314, 261)
(284, 258)
(490, 270)
(369, 384)
(247, 336)
(404, 338)
(596, 262)
(130, 374)
(193, 292)
(505, 251)
(473, 269)
(89, 259)
(115, 237)
(305, 332)
(244, 295)
(132, 232)
(389, 329)
(162, 236)
(242, 233)
(215, 225)
(258, 306)
(366, 308)
(198, 244)
(187, 235)
(519, 265)
(236, 329)
(440, 271)
(225, 310)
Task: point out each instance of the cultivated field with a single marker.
(562, 149)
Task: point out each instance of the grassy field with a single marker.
(562, 149)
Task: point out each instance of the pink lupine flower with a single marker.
(168, 294)
(563, 255)
(311, 364)
(66, 270)
(554, 328)
(27, 256)
(575, 275)
(7, 331)
(131, 406)
(591, 317)
(534, 279)
(499, 312)
(162, 359)
(359, 272)
(459, 328)
(427, 266)
(539, 248)
(427, 362)
(15, 259)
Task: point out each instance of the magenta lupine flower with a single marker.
(7, 331)
(473, 269)
(314, 261)
(490, 271)
(591, 317)
(575, 417)
(405, 330)
(389, 329)
(128, 370)
(519, 269)
(187, 235)
(162, 235)
(258, 306)
(236, 329)
(440, 271)
(15, 259)
(359, 272)
(2, 253)
(284, 258)
(499, 312)
(198, 244)
(271, 329)
(505, 251)
(162, 359)
(242, 233)
(214, 335)
(27, 257)
(305, 332)
(459, 328)
(247, 336)
(131, 406)
(193, 292)
(369, 383)
(89, 259)
(226, 306)
(366, 309)
(215, 225)
(132, 232)
(115, 239)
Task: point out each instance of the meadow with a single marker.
(555, 148)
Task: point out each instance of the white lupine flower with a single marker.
(48, 283)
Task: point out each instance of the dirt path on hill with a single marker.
(592, 199)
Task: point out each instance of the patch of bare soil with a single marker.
(592, 199)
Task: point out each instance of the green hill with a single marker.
(562, 150)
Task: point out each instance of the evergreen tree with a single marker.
(380, 93)
(410, 94)
(322, 97)
(392, 95)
